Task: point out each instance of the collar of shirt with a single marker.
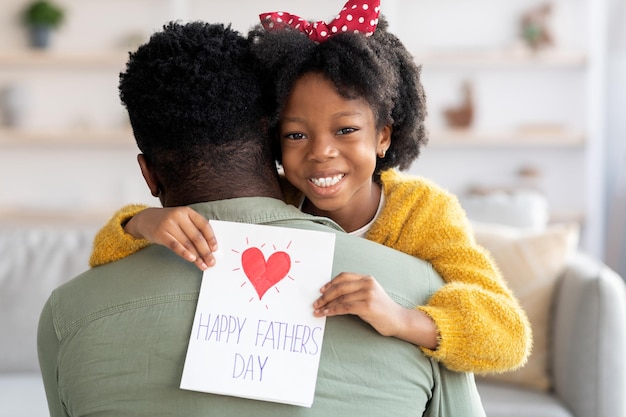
(258, 210)
(362, 231)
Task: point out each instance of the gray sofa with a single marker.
(588, 341)
(588, 337)
(36, 256)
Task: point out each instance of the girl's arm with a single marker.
(182, 229)
(112, 242)
(482, 327)
(362, 295)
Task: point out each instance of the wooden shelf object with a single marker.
(519, 138)
(479, 58)
(53, 59)
(113, 138)
(38, 218)
(502, 58)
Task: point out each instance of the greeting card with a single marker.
(254, 334)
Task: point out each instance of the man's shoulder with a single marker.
(348, 244)
(151, 276)
(409, 280)
(355, 248)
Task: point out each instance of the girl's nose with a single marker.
(322, 148)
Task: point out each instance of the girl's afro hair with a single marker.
(378, 69)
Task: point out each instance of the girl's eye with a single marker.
(294, 136)
(346, 130)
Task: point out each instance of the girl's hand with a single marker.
(362, 295)
(182, 229)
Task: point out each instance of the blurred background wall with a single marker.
(505, 113)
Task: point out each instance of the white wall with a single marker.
(41, 178)
(55, 179)
(102, 179)
(507, 97)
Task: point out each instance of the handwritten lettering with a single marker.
(244, 368)
(296, 338)
(220, 328)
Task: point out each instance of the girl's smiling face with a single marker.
(329, 150)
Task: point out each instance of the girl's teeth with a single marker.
(327, 182)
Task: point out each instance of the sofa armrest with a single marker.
(589, 339)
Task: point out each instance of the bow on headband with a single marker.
(359, 16)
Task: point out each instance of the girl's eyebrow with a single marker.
(292, 119)
(347, 113)
(337, 115)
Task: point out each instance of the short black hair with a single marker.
(193, 95)
(377, 68)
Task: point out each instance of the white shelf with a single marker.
(501, 58)
(70, 59)
(520, 138)
(478, 58)
(102, 138)
(31, 217)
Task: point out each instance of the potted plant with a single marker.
(40, 17)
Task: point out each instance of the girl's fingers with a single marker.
(196, 243)
(195, 236)
(346, 290)
(350, 303)
(346, 282)
(205, 230)
(343, 277)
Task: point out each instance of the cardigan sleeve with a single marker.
(482, 327)
(112, 243)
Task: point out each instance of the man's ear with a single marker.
(149, 175)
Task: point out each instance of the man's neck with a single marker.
(269, 189)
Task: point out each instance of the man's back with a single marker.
(117, 337)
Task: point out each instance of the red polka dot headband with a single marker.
(358, 16)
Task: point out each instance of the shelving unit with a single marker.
(29, 66)
(67, 60)
(538, 109)
(74, 138)
(515, 139)
(73, 150)
(502, 58)
(510, 132)
(531, 109)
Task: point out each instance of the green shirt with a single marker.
(113, 340)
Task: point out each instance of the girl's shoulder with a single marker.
(395, 182)
(416, 199)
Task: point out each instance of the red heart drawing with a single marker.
(264, 275)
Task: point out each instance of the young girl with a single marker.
(349, 108)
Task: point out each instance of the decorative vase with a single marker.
(13, 105)
(39, 36)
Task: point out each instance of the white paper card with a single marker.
(254, 334)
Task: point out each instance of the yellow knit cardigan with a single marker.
(482, 327)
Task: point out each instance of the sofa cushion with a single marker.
(524, 209)
(531, 263)
(35, 260)
(503, 400)
(22, 395)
